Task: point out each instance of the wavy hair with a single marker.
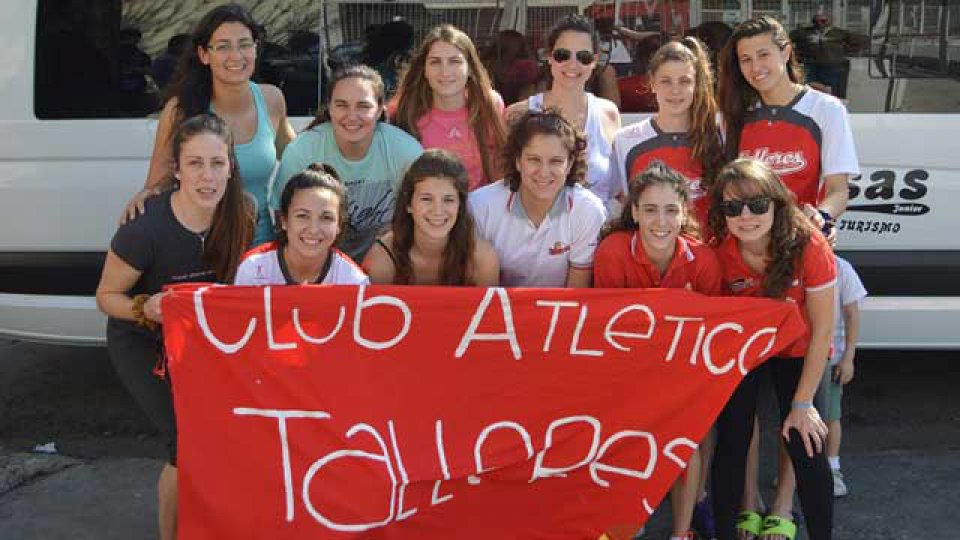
(734, 93)
(546, 122)
(356, 71)
(415, 97)
(657, 173)
(192, 83)
(704, 136)
(315, 176)
(791, 230)
(231, 229)
(457, 265)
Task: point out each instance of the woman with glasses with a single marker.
(542, 223)
(573, 46)
(214, 77)
(769, 248)
(445, 100)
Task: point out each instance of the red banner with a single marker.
(421, 412)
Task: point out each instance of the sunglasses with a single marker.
(585, 57)
(757, 205)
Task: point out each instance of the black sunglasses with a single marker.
(757, 205)
(585, 57)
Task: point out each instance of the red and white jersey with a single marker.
(816, 270)
(804, 141)
(264, 265)
(621, 261)
(637, 145)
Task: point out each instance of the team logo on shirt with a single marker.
(559, 248)
(780, 162)
(742, 284)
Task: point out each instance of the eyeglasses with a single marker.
(585, 57)
(225, 47)
(757, 205)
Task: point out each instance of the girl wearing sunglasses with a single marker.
(683, 132)
(433, 240)
(445, 100)
(768, 248)
(654, 244)
(802, 133)
(572, 46)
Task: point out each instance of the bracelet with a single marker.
(139, 316)
(801, 405)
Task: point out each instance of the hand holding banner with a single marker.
(421, 412)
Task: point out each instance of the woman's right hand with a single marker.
(151, 308)
(135, 207)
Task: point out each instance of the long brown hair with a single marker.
(791, 230)
(546, 122)
(457, 265)
(735, 94)
(415, 98)
(358, 71)
(232, 226)
(657, 173)
(703, 133)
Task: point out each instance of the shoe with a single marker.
(750, 523)
(703, 522)
(839, 487)
(778, 526)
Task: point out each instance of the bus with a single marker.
(81, 83)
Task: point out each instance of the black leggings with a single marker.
(134, 354)
(734, 431)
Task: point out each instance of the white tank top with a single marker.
(598, 148)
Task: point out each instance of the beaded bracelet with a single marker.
(139, 316)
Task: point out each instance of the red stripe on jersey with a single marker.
(262, 248)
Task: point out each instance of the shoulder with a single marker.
(584, 202)
(615, 245)
(273, 97)
(348, 271)
(309, 140)
(497, 100)
(634, 133)
(260, 251)
(393, 135)
(484, 196)
(484, 254)
(378, 263)
(816, 102)
(515, 111)
(607, 109)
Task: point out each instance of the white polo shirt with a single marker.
(262, 265)
(532, 256)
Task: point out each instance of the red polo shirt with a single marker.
(620, 261)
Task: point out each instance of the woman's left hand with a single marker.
(809, 425)
(151, 308)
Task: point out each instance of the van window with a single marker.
(115, 58)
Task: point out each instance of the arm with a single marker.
(378, 265)
(278, 114)
(843, 373)
(837, 194)
(806, 420)
(161, 162)
(112, 293)
(514, 112)
(579, 278)
(607, 86)
(486, 265)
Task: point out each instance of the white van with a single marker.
(75, 138)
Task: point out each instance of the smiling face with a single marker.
(572, 71)
(674, 84)
(659, 215)
(763, 63)
(543, 165)
(311, 223)
(446, 70)
(354, 111)
(231, 53)
(748, 227)
(434, 207)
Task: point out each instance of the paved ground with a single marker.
(901, 454)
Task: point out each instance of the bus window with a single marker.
(115, 58)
